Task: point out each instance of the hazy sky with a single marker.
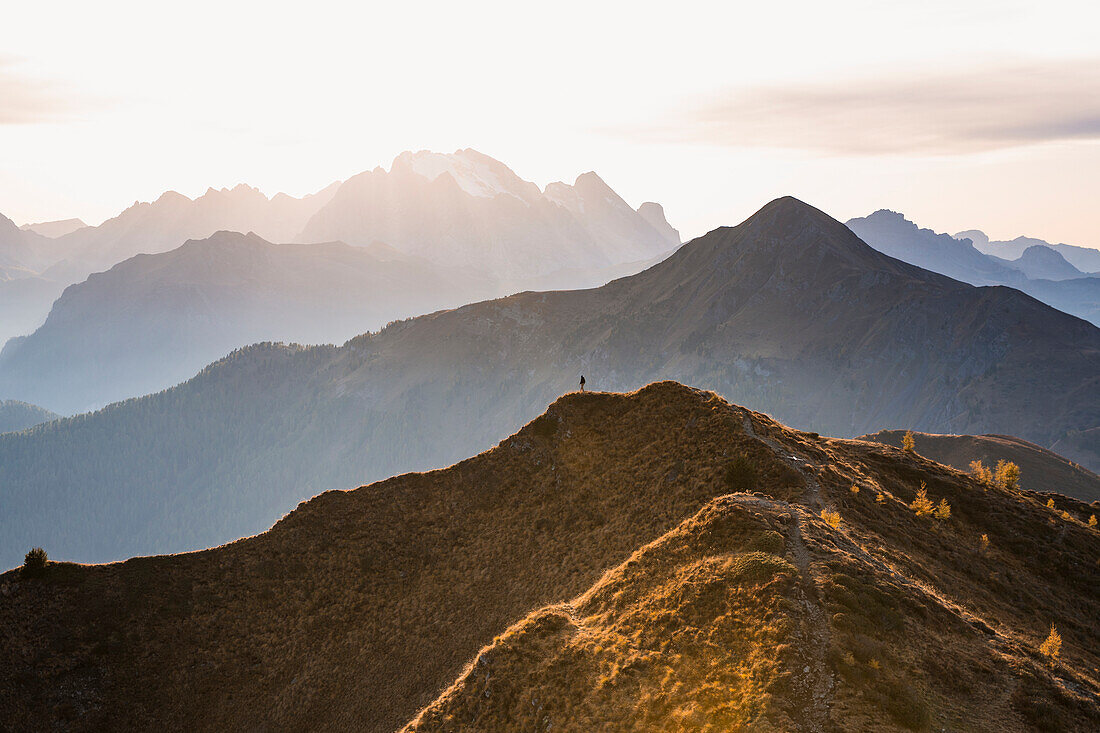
(960, 114)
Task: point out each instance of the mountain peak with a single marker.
(654, 215)
(477, 174)
(1042, 262)
(788, 217)
(54, 229)
(976, 236)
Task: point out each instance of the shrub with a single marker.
(942, 510)
(855, 489)
(1007, 475)
(985, 542)
(981, 473)
(908, 444)
(741, 474)
(1050, 503)
(880, 498)
(34, 563)
(922, 505)
(1092, 521)
(1052, 647)
(832, 518)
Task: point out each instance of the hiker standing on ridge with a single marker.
(582, 383)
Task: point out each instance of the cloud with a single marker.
(25, 100)
(948, 113)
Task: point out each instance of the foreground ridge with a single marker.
(693, 565)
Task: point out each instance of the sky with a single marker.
(960, 114)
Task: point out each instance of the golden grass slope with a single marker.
(743, 609)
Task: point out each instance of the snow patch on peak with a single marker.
(476, 174)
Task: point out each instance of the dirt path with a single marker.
(1006, 642)
(816, 681)
(792, 459)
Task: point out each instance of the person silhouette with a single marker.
(582, 383)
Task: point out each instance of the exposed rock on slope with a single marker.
(671, 599)
(1041, 469)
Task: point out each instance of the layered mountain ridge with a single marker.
(156, 318)
(153, 321)
(1085, 259)
(1041, 271)
(788, 311)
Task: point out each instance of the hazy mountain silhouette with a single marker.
(154, 320)
(464, 211)
(25, 296)
(1040, 262)
(467, 208)
(50, 263)
(54, 229)
(895, 235)
(164, 224)
(603, 569)
(1085, 259)
(891, 233)
(23, 250)
(788, 311)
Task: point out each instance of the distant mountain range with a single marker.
(655, 561)
(154, 320)
(789, 311)
(1040, 262)
(25, 296)
(466, 209)
(1085, 259)
(462, 209)
(457, 228)
(1039, 270)
(54, 229)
